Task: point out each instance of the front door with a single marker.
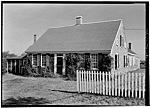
(59, 65)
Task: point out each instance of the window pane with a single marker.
(115, 61)
(35, 60)
(94, 60)
(43, 60)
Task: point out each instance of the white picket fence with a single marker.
(113, 84)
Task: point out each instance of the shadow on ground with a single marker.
(25, 101)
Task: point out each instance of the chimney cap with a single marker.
(78, 17)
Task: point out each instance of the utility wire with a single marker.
(134, 29)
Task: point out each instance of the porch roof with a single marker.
(85, 37)
(130, 51)
(17, 57)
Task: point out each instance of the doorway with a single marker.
(59, 65)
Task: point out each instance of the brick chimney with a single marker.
(130, 46)
(79, 20)
(34, 38)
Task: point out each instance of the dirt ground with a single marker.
(18, 90)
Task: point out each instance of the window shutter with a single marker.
(100, 57)
(38, 61)
(86, 57)
(47, 60)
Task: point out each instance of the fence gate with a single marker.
(114, 84)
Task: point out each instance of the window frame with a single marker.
(94, 60)
(42, 55)
(34, 63)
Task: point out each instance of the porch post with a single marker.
(32, 59)
(41, 60)
(7, 66)
(15, 66)
(55, 63)
(64, 65)
(19, 66)
(11, 65)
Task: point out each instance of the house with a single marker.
(92, 39)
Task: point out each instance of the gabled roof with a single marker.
(85, 37)
(130, 51)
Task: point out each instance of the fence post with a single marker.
(97, 83)
(132, 84)
(129, 84)
(100, 85)
(143, 85)
(136, 85)
(139, 85)
(109, 84)
(122, 84)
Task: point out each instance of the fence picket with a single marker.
(85, 80)
(125, 84)
(129, 84)
(106, 84)
(95, 80)
(100, 85)
(97, 83)
(136, 85)
(132, 84)
(80, 80)
(139, 85)
(119, 84)
(122, 85)
(103, 83)
(115, 77)
(90, 81)
(143, 85)
(112, 83)
(77, 81)
(109, 84)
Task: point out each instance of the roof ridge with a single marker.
(85, 24)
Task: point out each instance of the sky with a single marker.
(22, 21)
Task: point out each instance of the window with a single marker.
(116, 61)
(94, 61)
(43, 60)
(121, 40)
(124, 61)
(34, 60)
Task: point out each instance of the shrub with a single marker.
(71, 65)
(106, 63)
